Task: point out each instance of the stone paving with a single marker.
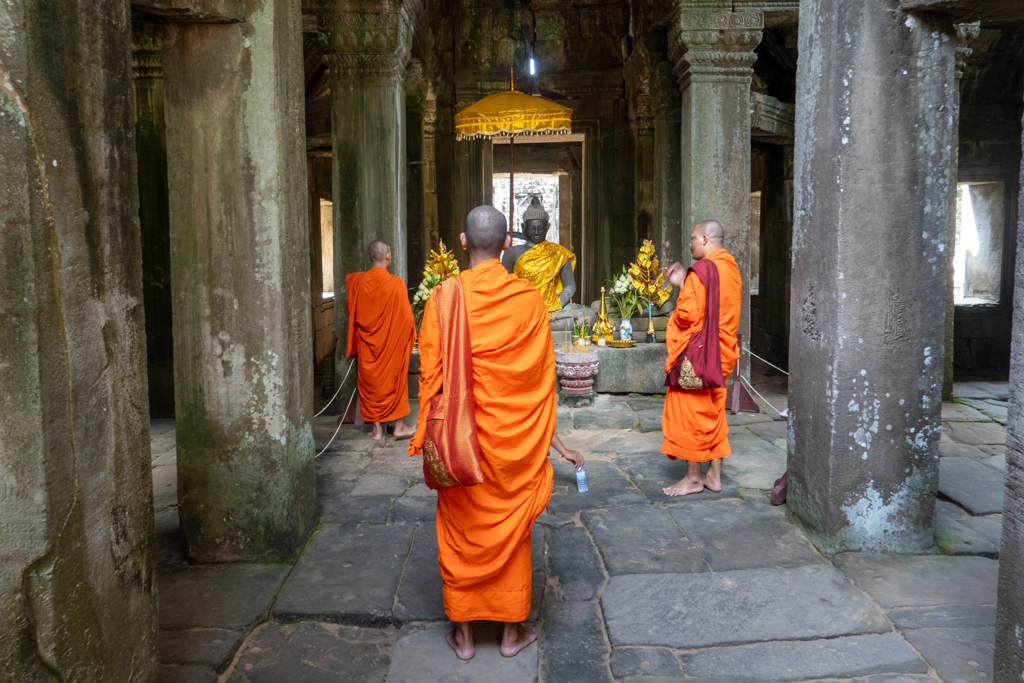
(629, 585)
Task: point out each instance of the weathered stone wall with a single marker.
(871, 188)
(1009, 652)
(241, 284)
(77, 569)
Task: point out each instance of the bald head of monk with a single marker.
(706, 238)
(486, 234)
(380, 254)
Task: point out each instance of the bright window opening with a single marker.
(327, 246)
(978, 255)
(755, 243)
(528, 187)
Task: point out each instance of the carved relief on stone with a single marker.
(809, 316)
(361, 41)
(965, 33)
(146, 61)
(643, 115)
(896, 335)
(715, 45)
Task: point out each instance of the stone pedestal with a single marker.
(871, 189)
(240, 281)
(575, 372)
(367, 48)
(714, 51)
(77, 567)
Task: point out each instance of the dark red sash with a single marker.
(700, 365)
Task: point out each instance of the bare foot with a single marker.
(684, 487)
(402, 430)
(377, 433)
(516, 637)
(461, 640)
(713, 480)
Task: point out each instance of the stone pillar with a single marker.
(666, 226)
(240, 280)
(415, 112)
(77, 566)
(714, 52)
(151, 147)
(871, 202)
(965, 33)
(1009, 653)
(642, 123)
(366, 47)
(431, 218)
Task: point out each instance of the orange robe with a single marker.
(483, 531)
(381, 332)
(694, 420)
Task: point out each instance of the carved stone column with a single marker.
(415, 114)
(366, 48)
(965, 33)
(871, 203)
(713, 53)
(666, 221)
(642, 124)
(431, 220)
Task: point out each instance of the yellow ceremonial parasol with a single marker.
(512, 113)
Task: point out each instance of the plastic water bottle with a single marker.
(581, 480)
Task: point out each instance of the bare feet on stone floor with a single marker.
(691, 483)
(402, 430)
(515, 638)
(713, 479)
(460, 639)
(377, 433)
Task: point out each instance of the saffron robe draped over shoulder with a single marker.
(381, 333)
(694, 420)
(542, 265)
(483, 531)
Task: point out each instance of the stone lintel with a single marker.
(961, 11)
(715, 46)
(192, 11)
(771, 119)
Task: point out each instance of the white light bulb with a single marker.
(533, 68)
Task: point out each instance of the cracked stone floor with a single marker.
(629, 585)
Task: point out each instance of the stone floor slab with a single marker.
(996, 462)
(989, 527)
(572, 644)
(954, 538)
(970, 390)
(186, 674)
(922, 580)
(420, 595)
(413, 510)
(745, 606)
(211, 648)
(992, 410)
(573, 564)
(645, 661)
(423, 655)
(608, 487)
(228, 596)
(626, 444)
(336, 507)
(350, 575)
(837, 658)
(999, 391)
(374, 484)
(958, 412)
(972, 485)
(743, 535)
(977, 433)
(605, 419)
(959, 655)
(769, 431)
(953, 449)
(311, 652)
(754, 464)
(642, 539)
(746, 418)
(651, 472)
(650, 420)
(948, 616)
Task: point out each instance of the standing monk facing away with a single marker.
(483, 531)
(381, 333)
(694, 419)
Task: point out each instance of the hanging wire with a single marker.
(340, 421)
(751, 353)
(751, 387)
(331, 402)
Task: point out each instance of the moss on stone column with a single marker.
(240, 279)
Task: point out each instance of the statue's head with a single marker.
(535, 222)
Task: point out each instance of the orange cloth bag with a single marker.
(451, 453)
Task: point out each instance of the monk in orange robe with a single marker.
(483, 531)
(694, 419)
(381, 333)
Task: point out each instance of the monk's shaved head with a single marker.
(713, 230)
(378, 251)
(486, 230)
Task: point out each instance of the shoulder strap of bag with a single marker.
(453, 324)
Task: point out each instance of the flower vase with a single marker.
(626, 329)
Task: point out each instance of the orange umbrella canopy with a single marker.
(512, 113)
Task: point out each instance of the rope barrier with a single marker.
(331, 402)
(340, 419)
(751, 353)
(751, 387)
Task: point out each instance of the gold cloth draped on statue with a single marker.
(542, 266)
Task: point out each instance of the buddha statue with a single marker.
(547, 265)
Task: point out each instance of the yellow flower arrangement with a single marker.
(648, 277)
(440, 266)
